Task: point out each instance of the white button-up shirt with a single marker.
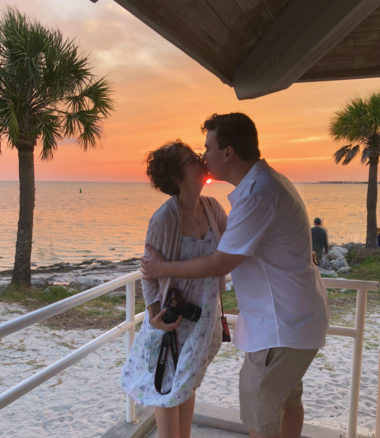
(280, 293)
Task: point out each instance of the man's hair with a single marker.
(317, 221)
(164, 167)
(236, 130)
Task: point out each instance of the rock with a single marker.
(325, 262)
(352, 246)
(83, 283)
(339, 262)
(328, 273)
(344, 270)
(3, 284)
(336, 251)
(59, 283)
(93, 266)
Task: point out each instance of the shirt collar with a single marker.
(248, 179)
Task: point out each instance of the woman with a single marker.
(187, 225)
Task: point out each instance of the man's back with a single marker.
(319, 239)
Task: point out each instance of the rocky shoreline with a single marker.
(80, 276)
(91, 273)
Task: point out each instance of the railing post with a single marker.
(377, 430)
(130, 334)
(361, 301)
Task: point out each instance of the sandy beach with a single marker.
(85, 400)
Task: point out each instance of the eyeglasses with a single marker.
(194, 159)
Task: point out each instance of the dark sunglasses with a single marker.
(194, 159)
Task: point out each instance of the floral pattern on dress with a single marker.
(198, 342)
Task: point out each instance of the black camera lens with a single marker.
(170, 315)
(191, 312)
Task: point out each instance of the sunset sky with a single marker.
(161, 94)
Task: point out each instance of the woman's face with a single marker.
(194, 169)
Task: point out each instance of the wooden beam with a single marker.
(179, 31)
(296, 41)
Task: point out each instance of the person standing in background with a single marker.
(319, 239)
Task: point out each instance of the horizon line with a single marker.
(214, 181)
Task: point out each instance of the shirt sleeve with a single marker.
(247, 224)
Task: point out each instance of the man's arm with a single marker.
(217, 264)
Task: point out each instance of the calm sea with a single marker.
(80, 221)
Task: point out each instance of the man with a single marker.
(319, 239)
(267, 248)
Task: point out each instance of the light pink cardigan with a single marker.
(165, 233)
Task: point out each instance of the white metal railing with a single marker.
(128, 280)
(44, 313)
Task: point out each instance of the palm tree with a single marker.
(47, 92)
(359, 123)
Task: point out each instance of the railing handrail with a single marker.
(367, 285)
(39, 315)
(56, 367)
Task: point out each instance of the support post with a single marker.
(361, 301)
(130, 334)
(377, 430)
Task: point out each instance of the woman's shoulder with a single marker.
(211, 202)
(166, 213)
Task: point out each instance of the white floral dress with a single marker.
(198, 342)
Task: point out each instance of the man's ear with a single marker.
(228, 153)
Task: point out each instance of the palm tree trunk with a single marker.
(22, 270)
(371, 240)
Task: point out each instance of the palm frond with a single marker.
(346, 153)
(50, 131)
(366, 154)
(85, 126)
(9, 120)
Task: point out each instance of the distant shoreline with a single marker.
(214, 182)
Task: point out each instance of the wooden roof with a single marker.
(262, 46)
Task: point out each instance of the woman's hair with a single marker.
(164, 167)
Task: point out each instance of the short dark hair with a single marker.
(236, 130)
(317, 221)
(164, 167)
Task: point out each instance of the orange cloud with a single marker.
(161, 94)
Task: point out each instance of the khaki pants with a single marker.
(271, 380)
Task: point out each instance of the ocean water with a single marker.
(88, 220)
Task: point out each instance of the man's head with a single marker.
(229, 136)
(317, 222)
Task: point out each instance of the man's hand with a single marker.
(158, 323)
(151, 265)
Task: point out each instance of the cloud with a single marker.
(299, 159)
(308, 139)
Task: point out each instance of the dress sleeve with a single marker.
(150, 288)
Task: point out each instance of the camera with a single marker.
(176, 306)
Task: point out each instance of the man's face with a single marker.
(214, 156)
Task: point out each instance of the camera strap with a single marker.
(169, 342)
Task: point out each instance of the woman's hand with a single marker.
(157, 322)
(151, 265)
